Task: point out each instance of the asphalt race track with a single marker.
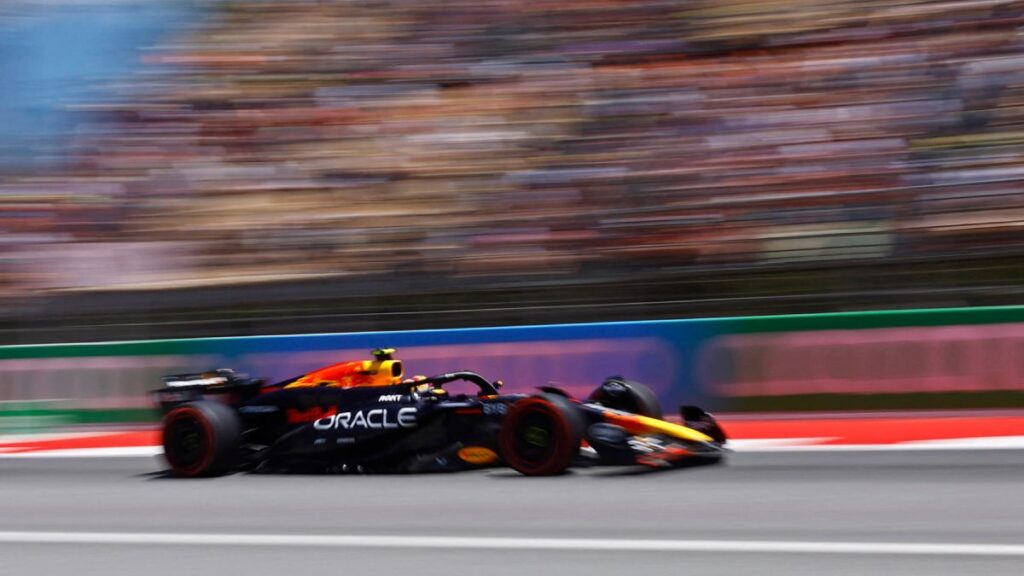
(938, 512)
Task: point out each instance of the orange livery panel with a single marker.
(352, 374)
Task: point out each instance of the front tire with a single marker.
(540, 435)
(633, 397)
(201, 439)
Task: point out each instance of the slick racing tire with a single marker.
(632, 397)
(540, 435)
(201, 439)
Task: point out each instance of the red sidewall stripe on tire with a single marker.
(524, 407)
(195, 469)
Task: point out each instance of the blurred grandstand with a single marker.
(337, 165)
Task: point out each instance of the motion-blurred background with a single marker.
(183, 168)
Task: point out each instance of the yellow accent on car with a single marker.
(636, 424)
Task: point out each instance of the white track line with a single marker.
(774, 444)
(123, 452)
(813, 445)
(754, 446)
(501, 543)
(740, 445)
(993, 442)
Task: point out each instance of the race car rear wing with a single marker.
(180, 388)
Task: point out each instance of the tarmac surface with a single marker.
(906, 512)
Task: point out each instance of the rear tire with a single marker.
(633, 397)
(540, 435)
(201, 439)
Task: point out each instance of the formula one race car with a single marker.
(364, 416)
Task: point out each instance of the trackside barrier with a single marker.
(908, 359)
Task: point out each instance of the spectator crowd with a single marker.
(289, 139)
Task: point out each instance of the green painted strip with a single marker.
(81, 350)
(881, 319)
(24, 418)
(740, 324)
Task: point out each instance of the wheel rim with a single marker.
(535, 437)
(186, 443)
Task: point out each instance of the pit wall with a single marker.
(947, 358)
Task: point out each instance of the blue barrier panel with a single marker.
(905, 359)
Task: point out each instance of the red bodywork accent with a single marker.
(663, 457)
(296, 416)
